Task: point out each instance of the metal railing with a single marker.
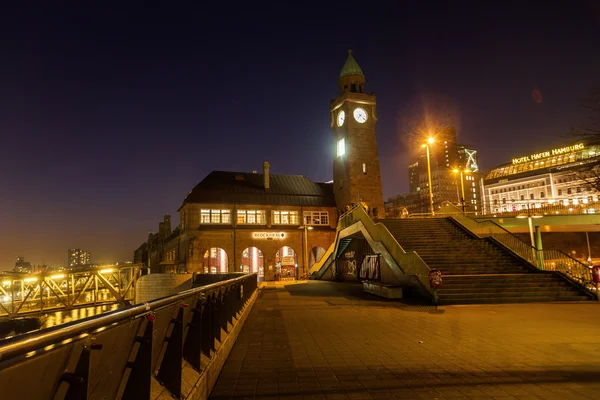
(550, 260)
(117, 354)
(410, 263)
(572, 206)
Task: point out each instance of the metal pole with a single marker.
(429, 177)
(462, 188)
(587, 238)
(305, 261)
(539, 248)
(529, 219)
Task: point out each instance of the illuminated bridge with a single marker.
(22, 294)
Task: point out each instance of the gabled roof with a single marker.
(248, 188)
(351, 67)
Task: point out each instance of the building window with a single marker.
(569, 191)
(341, 147)
(285, 217)
(531, 196)
(504, 201)
(542, 195)
(215, 216)
(560, 192)
(316, 217)
(251, 217)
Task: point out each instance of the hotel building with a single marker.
(558, 178)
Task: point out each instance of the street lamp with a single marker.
(426, 145)
(462, 187)
(306, 228)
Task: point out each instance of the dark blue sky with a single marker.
(109, 116)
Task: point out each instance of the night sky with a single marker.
(109, 116)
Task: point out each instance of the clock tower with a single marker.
(356, 174)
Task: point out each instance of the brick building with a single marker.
(247, 222)
(276, 225)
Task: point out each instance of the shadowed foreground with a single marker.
(329, 340)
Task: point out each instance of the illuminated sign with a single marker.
(545, 154)
(268, 235)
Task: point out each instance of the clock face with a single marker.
(341, 117)
(360, 115)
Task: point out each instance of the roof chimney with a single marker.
(266, 166)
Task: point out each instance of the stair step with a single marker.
(510, 300)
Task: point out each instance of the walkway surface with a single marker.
(323, 340)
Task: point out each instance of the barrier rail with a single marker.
(550, 260)
(116, 354)
(410, 263)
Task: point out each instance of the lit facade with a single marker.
(78, 257)
(562, 177)
(446, 156)
(274, 225)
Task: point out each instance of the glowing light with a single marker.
(107, 271)
(341, 147)
(6, 283)
(60, 276)
(430, 140)
(34, 279)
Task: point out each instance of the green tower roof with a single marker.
(351, 67)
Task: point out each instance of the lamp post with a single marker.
(306, 228)
(462, 188)
(426, 145)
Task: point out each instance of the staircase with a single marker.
(477, 270)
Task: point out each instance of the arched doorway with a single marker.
(253, 262)
(286, 262)
(216, 261)
(315, 255)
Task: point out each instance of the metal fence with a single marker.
(115, 355)
(550, 260)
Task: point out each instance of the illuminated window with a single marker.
(285, 217)
(316, 217)
(251, 217)
(364, 168)
(215, 216)
(341, 147)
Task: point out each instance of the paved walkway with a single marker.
(322, 340)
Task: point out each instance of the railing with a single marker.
(551, 260)
(120, 353)
(409, 263)
(552, 207)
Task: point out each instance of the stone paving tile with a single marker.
(322, 340)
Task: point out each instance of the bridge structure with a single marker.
(171, 347)
(481, 260)
(22, 294)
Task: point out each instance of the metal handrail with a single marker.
(23, 344)
(545, 259)
(410, 263)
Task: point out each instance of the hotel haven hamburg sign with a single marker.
(550, 153)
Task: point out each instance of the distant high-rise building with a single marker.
(23, 266)
(79, 257)
(445, 156)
